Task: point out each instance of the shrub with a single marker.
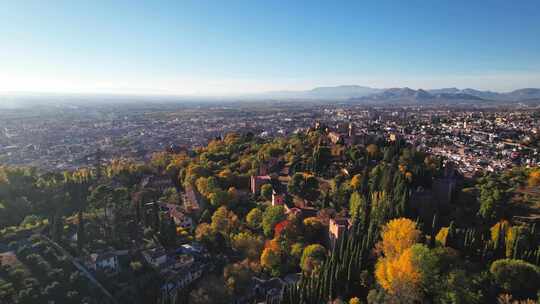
(516, 276)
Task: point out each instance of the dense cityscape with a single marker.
(477, 139)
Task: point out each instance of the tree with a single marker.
(160, 160)
(128, 172)
(313, 229)
(233, 197)
(304, 185)
(296, 183)
(395, 271)
(311, 188)
(358, 207)
(237, 278)
(356, 182)
(211, 290)
(271, 261)
(254, 218)
(193, 172)
(429, 263)
(534, 178)
(442, 278)
(52, 201)
(77, 184)
(493, 198)
(272, 215)
(249, 244)
(397, 236)
(210, 238)
(207, 186)
(502, 237)
(461, 287)
(219, 198)
(224, 221)
(442, 236)
(354, 300)
(399, 276)
(321, 158)
(516, 276)
(295, 255)
(372, 151)
(266, 191)
(227, 178)
(312, 258)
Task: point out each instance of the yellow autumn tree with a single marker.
(354, 300)
(534, 178)
(398, 235)
(499, 228)
(503, 228)
(442, 236)
(399, 276)
(395, 270)
(356, 181)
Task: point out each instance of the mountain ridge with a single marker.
(366, 93)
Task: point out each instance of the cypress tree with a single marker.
(433, 229)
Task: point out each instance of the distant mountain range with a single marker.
(367, 94)
(338, 92)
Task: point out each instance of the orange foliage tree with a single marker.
(395, 270)
(534, 178)
(399, 276)
(398, 235)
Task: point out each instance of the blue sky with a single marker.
(225, 47)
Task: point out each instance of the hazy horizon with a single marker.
(262, 94)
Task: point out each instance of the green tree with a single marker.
(272, 215)
(237, 278)
(254, 218)
(493, 198)
(271, 261)
(77, 184)
(313, 229)
(312, 257)
(266, 191)
(296, 184)
(358, 207)
(304, 185)
(224, 221)
(249, 244)
(211, 290)
(219, 198)
(321, 159)
(210, 238)
(516, 277)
